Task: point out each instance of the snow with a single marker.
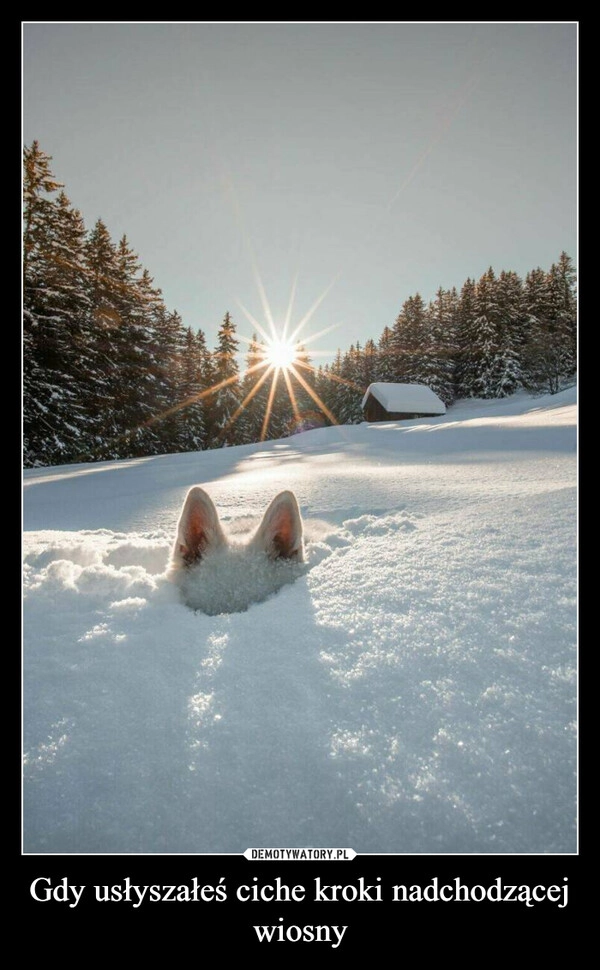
(411, 398)
(413, 690)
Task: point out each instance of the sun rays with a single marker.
(278, 353)
(277, 364)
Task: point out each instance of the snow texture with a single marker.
(413, 690)
(400, 398)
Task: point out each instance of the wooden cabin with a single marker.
(399, 402)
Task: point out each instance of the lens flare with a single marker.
(281, 353)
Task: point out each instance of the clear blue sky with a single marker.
(393, 158)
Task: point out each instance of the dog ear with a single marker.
(280, 532)
(198, 529)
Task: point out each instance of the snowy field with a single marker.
(414, 690)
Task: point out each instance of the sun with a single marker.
(281, 353)
(281, 360)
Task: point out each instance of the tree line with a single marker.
(493, 337)
(110, 372)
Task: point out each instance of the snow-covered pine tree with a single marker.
(438, 363)
(551, 354)
(536, 300)
(255, 391)
(349, 392)
(104, 320)
(307, 407)
(511, 325)
(207, 373)
(324, 387)
(332, 374)
(385, 361)
(485, 349)
(55, 368)
(170, 372)
(566, 281)
(370, 365)
(38, 183)
(227, 396)
(411, 342)
(562, 286)
(190, 413)
(281, 414)
(466, 362)
(134, 343)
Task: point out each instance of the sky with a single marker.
(359, 163)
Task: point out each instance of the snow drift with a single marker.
(413, 690)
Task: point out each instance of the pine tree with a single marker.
(319, 417)
(410, 342)
(385, 362)
(370, 365)
(438, 366)
(329, 395)
(466, 361)
(349, 392)
(280, 414)
(307, 394)
(550, 352)
(485, 347)
(511, 334)
(206, 367)
(135, 394)
(123, 396)
(322, 386)
(104, 320)
(563, 312)
(227, 396)
(169, 374)
(54, 310)
(255, 392)
(38, 183)
(190, 413)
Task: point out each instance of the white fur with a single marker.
(218, 574)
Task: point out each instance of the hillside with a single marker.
(414, 690)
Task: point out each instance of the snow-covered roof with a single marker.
(415, 398)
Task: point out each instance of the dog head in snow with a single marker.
(219, 574)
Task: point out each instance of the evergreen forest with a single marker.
(110, 372)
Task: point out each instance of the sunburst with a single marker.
(275, 355)
(281, 353)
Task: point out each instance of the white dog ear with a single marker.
(198, 529)
(280, 532)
